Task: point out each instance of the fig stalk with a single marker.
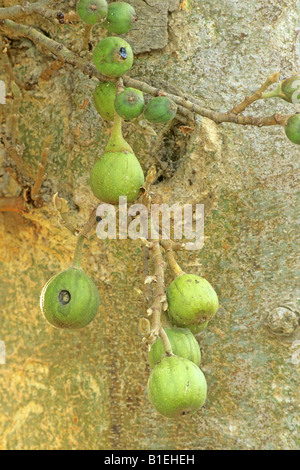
(165, 342)
(78, 252)
(276, 93)
(116, 142)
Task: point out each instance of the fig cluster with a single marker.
(117, 172)
(117, 18)
(176, 385)
(70, 299)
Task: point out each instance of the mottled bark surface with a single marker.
(87, 389)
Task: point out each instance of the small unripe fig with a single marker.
(120, 18)
(183, 343)
(191, 300)
(292, 129)
(104, 98)
(70, 300)
(160, 109)
(290, 89)
(129, 104)
(117, 174)
(176, 386)
(113, 56)
(91, 11)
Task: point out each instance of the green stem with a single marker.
(78, 252)
(174, 266)
(273, 93)
(116, 142)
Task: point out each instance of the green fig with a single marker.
(115, 175)
(70, 300)
(120, 18)
(191, 300)
(292, 129)
(113, 56)
(183, 343)
(290, 89)
(118, 172)
(104, 98)
(91, 11)
(129, 104)
(160, 109)
(176, 386)
(196, 329)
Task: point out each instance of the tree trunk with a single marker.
(87, 389)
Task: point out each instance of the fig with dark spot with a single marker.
(70, 300)
(113, 57)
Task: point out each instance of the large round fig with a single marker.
(160, 109)
(191, 300)
(120, 18)
(91, 11)
(70, 300)
(176, 386)
(129, 104)
(292, 129)
(183, 343)
(117, 174)
(113, 56)
(104, 98)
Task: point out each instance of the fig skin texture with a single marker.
(104, 98)
(117, 174)
(176, 386)
(120, 18)
(292, 129)
(91, 11)
(129, 104)
(70, 300)
(196, 329)
(288, 88)
(183, 343)
(160, 109)
(191, 300)
(113, 57)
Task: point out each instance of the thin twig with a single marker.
(147, 286)
(20, 11)
(11, 28)
(257, 95)
(62, 207)
(41, 168)
(87, 36)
